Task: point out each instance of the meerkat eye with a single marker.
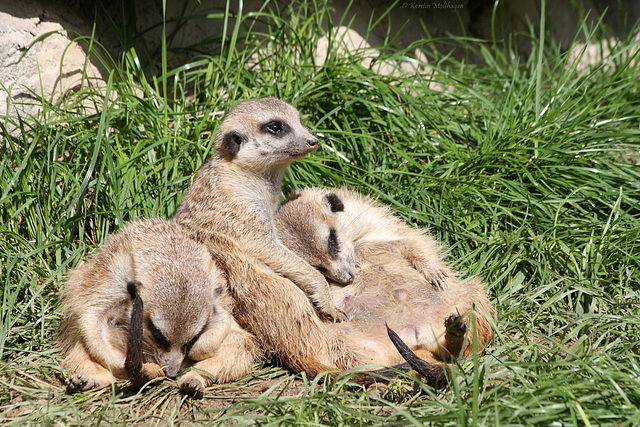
(334, 246)
(158, 336)
(275, 128)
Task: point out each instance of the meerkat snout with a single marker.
(312, 143)
(171, 362)
(350, 278)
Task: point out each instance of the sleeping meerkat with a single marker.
(230, 207)
(362, 226)
(400, 278)
(150, 303)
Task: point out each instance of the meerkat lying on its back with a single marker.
(362, 226)
(150, 303)
(400, 278)
(230, 208)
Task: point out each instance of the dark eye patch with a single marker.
(334, 246)
(276, 127)
(158, 337)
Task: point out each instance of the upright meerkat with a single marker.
(400, 277)
(238, 191)
(230, 207)
(149, 303)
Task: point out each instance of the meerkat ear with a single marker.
(334, 203)
(292, 197)
(133, 360)
(231, 141)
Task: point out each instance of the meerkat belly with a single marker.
(387, 290)
(384, 285)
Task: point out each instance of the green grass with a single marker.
(527, 168)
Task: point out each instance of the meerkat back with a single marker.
(149, 303)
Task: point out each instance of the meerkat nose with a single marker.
(351, 278)
(312, 143)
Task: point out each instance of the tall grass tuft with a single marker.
(525, 167)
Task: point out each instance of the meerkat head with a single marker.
(263, 134)
(309, 224)
(174, 303)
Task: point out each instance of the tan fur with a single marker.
(400, 277)
(184, 297)
(230, 207)
(363, 226)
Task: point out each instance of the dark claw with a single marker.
(77, 383)
(193, 388)
(439, 281)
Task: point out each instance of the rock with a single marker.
(38, 56)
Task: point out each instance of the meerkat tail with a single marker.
(433, 374)
(133, 360)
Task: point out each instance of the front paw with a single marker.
(151, 371)
(79, 382)
(192, 384)
(338, 316)
(333, 313)
(455, 325)
(438, 278)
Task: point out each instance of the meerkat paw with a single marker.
(437, 277)
(455, 325)
(455, 334)
(327, 308)
(192, 384)
(332, 313)
(79, 382)
(151, 371)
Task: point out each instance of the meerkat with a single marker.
(150, 303)
(362, 226)
(394, 275)
(230, 207)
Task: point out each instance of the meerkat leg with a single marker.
(299, 338)
(233, 358)
(210, 341)
(423, 254)
(87, 373)
(286, 263)
(455, 335)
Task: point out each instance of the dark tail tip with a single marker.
(433, 374)
(133, 361)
